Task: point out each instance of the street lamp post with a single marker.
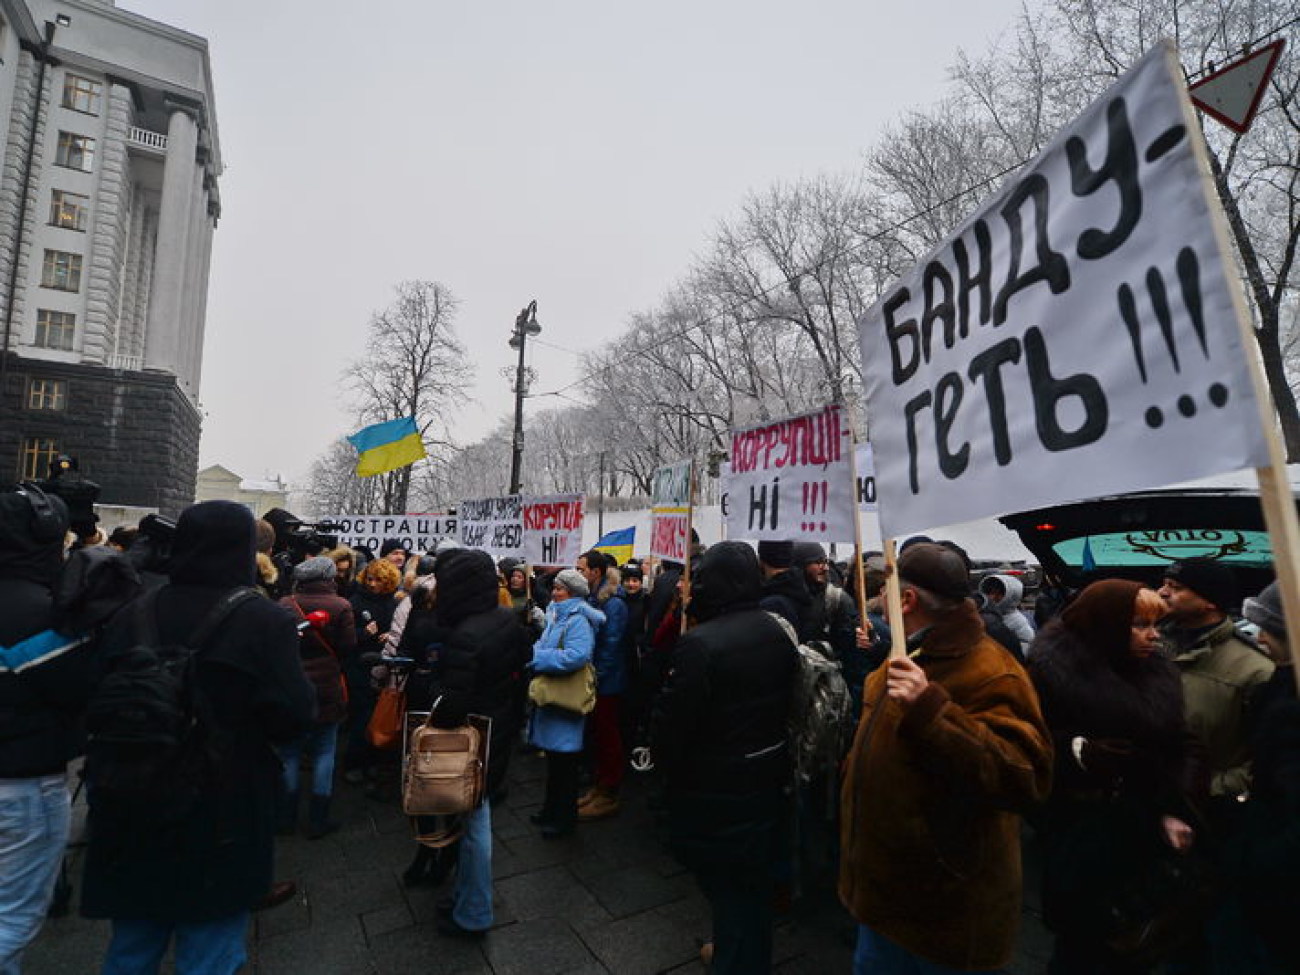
(525, 325)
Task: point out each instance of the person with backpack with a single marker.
(181, 831)
(323, 647)
(719, 736)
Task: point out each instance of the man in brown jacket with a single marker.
(950, 750)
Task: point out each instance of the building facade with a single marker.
(217, 483)
(108, 203)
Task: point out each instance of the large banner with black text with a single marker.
(1075, 337)
(417, 533)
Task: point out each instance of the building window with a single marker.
(55, 329)
(47, 394)
(75, 151)
(68, 210)
(38, 453)
(61, 271)
(81, 94)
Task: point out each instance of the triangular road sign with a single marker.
(1232, 94)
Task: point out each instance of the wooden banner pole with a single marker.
(690, 523)
(859, 569)
(1274, 488)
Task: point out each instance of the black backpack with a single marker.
(149, 737)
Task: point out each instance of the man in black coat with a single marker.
(198, 880)
(483, 649)
(719, 737)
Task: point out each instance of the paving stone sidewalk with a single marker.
(608, 899)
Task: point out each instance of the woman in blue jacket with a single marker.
(565, 646)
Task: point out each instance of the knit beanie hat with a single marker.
(572, 580)
(319, 569)
(779, 555)
(806, 553)
(391, 545)
(936, 568)
(1265, 611)
(1209, 579)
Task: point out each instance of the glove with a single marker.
(1107, 758)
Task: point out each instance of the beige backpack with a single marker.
(445, 768)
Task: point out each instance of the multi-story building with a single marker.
(108, 202)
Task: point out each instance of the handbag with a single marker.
(384, 729)
(574, 691)
(445, 770)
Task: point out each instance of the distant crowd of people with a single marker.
(1147, 735)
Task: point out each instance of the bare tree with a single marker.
(333, 485)
(413, 366)
(1062, 57)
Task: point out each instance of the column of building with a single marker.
(109, 236)
(163, 343)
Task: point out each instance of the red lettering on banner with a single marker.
(565, 516)
(668, 535)
(815, 440)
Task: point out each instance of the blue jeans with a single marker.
(321, 743)
(473, 890)
(34, 820)
(877, 955)
(202, 947)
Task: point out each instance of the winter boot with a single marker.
(319, 824)
(286, 813)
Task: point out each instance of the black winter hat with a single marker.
(1265, 611)
(1209, 579)
(467, 585)
(215, 545)
(391, 545)
(806, 553)
(936, 568)
(779, 555)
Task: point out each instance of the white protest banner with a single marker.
(791, 479)
(417, 533)
(553, 529)
(866, 473)
(1075, 337)
(670, 512)
(494, 525)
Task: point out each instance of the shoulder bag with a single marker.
(574, 691)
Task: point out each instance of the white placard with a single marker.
(553, 529)
(670, 512)
(1075, 337)
(865, 465)
(417, 533)
(791, 479)
(494, 525)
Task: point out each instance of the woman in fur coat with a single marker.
(1114, 705)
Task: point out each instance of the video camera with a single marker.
(301, 539)
(77, 492)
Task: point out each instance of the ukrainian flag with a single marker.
(617, 544)
(387, 446)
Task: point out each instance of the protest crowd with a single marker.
(1139, 736)
(908, 724)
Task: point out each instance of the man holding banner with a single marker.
(951, 748)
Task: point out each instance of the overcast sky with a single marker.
(578, 153)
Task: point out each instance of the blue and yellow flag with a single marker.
(617, 544)
(387, 446)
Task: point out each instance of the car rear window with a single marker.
(1161, 546)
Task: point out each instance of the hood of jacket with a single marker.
(466, 581)
(728, 580)
(215, 545)
(610, 586)
(792, 584)
(22, 554)
(1011, 601)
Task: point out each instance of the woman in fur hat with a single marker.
(1114, 705)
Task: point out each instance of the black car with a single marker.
(1135, 536)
